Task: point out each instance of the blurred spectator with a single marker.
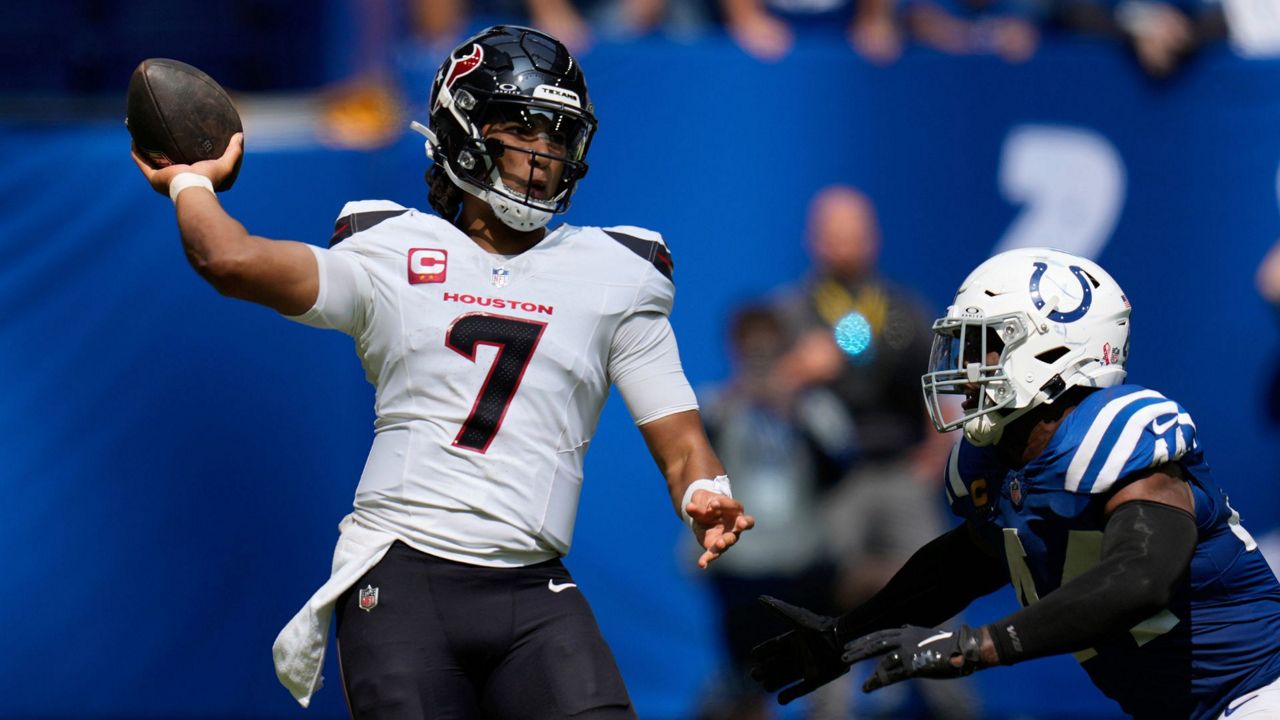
(1007, 28)
(561, 20)
(573, 22)
(867, 340)
(439, 22)
(1268, 282)
(876, 32)
(629, 18)
(763, 28)
(366, 109)
(777, 444)
(1163, 35)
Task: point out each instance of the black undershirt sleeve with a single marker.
(1146, 551)
(939, 580)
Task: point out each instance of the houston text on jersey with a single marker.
(498, 303)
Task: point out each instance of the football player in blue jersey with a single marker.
(1091, 497)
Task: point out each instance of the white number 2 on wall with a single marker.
(1070, 183)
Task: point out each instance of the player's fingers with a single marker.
(231, 155)
(785, 610)
(796, 691)
(889, 671)
(137, 160)
(767, 651)
(150, 173)
(771, 666)
(776, 676)
(743, 523)
(775, 681)
(876, 643)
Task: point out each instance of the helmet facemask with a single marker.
(547, 145)
(970, 357)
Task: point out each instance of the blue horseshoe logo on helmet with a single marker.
(1062, 317)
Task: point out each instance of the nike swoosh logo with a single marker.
(1233, 709)
(553, 587)
(1160, 428)
(939, 636)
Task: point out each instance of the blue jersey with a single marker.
(1220, 635)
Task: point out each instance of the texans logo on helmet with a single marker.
(463, 65)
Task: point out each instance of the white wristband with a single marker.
(718, 485)
(185, 180)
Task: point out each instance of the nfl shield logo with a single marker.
(368, 598)
(499, 278)
(1015, 493)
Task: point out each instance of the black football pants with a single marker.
(450, 641)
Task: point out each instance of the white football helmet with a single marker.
(1025, 325)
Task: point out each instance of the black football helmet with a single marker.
(510, 74)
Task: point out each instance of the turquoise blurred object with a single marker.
(853, 334)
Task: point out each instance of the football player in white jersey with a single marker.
(492, 343)
(1090, 497)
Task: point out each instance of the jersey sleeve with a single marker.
(1129, 434)
(345, 293)
(346, 288)
(657, 288)
(644, 364)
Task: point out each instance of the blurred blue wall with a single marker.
(174, 464)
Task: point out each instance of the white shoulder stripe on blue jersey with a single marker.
(1127, 443)
(954, 482)
(1093, 438)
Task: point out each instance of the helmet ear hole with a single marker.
(1051, 356)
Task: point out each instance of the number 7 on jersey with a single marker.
(516, 341)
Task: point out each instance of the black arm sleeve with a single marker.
(1146, 551)
(939, 580)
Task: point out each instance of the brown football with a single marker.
(178, 115)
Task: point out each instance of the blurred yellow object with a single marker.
(362, 115)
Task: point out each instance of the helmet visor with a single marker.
(564, 131)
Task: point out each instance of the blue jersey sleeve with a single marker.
(1129, 432)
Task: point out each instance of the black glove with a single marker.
(917, 652)
(801, 660)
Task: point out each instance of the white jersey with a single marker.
(491, 371)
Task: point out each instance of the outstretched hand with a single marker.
(216, 170)
(718, 522)
(911, 651)
(800, 660)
